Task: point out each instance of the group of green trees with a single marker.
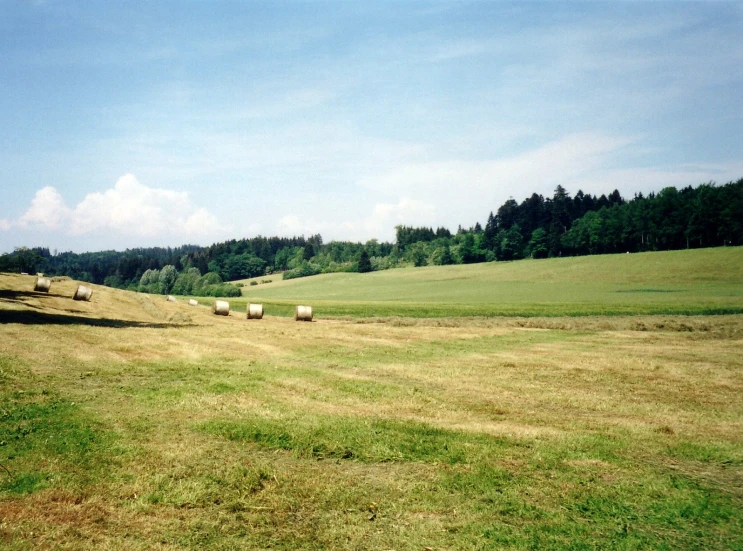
(112, 268)
(189, 282)
(538, 227)
(705, 216)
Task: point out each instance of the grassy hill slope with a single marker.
(19, 303)
(675, 282)
(133, 423)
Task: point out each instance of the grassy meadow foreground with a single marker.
(129, 422)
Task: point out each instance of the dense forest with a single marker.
(704, 216)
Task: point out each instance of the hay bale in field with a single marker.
(255, 311)
(303, 313)
(82, 293)
(221, 308)
(42, 284)
(171, 298)
(39, 274)
(193, 302)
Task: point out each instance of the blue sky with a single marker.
(165, 123)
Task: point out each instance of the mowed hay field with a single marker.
(130, 422)
(704, 281)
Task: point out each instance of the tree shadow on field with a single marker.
(42, 318)
(19, 296)
(9, 295)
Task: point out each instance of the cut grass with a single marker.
(349, 438)
(46, 440)
(619, 432)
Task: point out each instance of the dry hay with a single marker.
(193, 302)
(42, 284)
(255, 311)
(303, 313)
(221, 308)
(171, 298)
(82, 293)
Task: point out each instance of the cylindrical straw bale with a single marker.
(303, 313)
(43, 284)
(255, 311)
(82, 293)
(193, 302)
(171, 298)
(221, 308)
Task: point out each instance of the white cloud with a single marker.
(128, 209)
(464, 188)
(202, 222)
(632, 180)
(379, 224)
(406, 211)
(47, 210)
(290, 224)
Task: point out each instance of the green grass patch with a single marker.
(369, 440)
(696, 282)
(44, 438)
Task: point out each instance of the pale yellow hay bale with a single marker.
(303, 313)
(171, 298)
(43, 284)
(193, 302)
(221, 308)
(255, 311)
(82, 293)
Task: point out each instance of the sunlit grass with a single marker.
(135, 423)
(698, 282)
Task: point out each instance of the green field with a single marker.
(134, 423)
(706, 281)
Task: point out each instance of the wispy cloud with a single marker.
(465, 185)
(346, 118)
(379, 222)
(458, 49)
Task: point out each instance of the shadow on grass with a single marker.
(19, 296)
(41, 318)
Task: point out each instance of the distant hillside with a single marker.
(693, 282)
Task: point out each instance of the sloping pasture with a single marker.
(704, 281)
(130, 422)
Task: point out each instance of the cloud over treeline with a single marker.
(129, 208)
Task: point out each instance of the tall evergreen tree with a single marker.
(559, 220)
(364, 262)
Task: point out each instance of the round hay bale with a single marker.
(171, 298)
(255, 311)
(82, 293)
(221, 308)
(42, 284)
(193, 302)
(303, 313)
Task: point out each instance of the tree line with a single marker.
(538, 227)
